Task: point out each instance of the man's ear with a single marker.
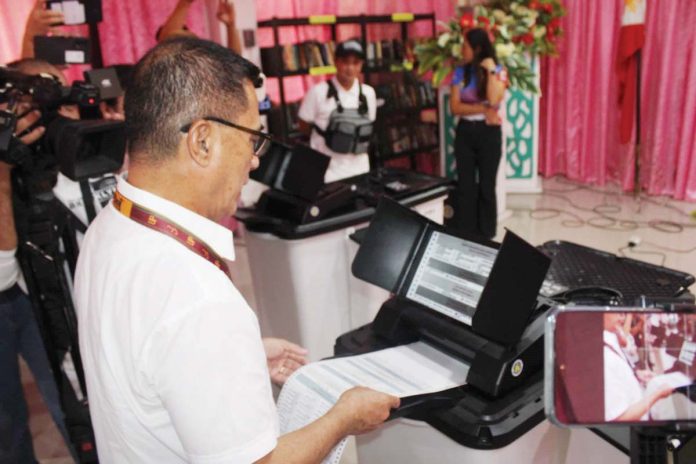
(199, 142)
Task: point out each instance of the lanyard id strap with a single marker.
(163, 225)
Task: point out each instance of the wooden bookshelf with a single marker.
(285, 60)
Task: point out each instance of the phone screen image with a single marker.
(624, 366)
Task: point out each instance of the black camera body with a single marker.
(81, 148)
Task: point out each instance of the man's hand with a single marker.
(113, 113)
(226, 14)
(24, 123)
(283, 358)
(663, 391)
(644, 375)
(41, 20)
(364, 409)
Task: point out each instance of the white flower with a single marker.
(503, 50)
(539, 32)
(443, 39)
(499, 15)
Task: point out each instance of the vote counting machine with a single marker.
(481, 303)
(469, 298)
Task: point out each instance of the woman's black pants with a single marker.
(477, 149)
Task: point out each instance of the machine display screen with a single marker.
(451, 276)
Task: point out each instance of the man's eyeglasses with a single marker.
(261, 140)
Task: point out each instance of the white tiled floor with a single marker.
(665, 228)
(600, 218)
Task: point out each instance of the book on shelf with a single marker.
(406, 95)
(402, 138)
(297, 57)
(370, 54)
(386, 52)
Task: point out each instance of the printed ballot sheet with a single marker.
(676, 406)
(402, 371)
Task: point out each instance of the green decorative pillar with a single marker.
(521, 138)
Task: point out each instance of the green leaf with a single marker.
(440, 74)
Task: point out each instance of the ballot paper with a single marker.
(402, 371)
(676, 406)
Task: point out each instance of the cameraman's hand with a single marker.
(363, 409)
(24, 123)
(41, 20)
(113, 113)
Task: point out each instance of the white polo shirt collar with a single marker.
(219, 238)
(353, 89)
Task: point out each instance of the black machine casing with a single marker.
(466, 414)
(503, 346)
(299, 204)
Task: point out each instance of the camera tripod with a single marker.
(47, 252)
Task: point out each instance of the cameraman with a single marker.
(19, 332)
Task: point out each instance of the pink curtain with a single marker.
(296, 87)
(129, 27)
(127, 32)
(13, 16)
(668, 135)
(579, 110)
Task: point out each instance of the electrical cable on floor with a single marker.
(670, 249)
(663, 257)
(604, 219)
(641, 197)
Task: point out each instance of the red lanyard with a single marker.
(163, 225)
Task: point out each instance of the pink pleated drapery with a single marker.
(579, 110)
(127, 32)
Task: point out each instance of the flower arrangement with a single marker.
(517, 28)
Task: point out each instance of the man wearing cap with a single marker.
(318, 105)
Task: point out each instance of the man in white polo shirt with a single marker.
(175, 364)
(319, 103)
